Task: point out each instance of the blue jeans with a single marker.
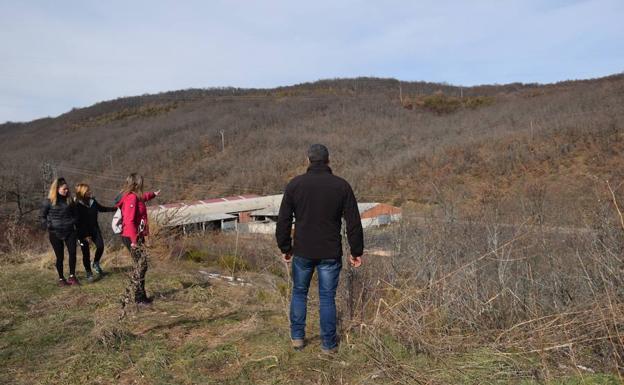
(328, 271)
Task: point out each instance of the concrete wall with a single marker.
(261, 227)
(380, 220)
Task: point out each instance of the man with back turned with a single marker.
(318, 200)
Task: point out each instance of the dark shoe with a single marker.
(144, 301)
(73, 281)
(90, 277)
(298, 344)
(98, 269)
(62, 282)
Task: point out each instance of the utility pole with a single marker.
(222, 140)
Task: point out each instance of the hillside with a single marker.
(505, 268)
(509, 139)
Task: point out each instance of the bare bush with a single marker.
(521, 289)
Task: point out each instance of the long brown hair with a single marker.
(81, 191)
(134, 184)
(53, 193)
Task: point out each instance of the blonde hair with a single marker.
(81, 190)
(134, 184)
(53, 193)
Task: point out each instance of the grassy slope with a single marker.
(201, 332)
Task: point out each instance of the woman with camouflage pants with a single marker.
(133, 233)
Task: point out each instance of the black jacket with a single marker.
(88, 217)
(319, 200)
(60, 218)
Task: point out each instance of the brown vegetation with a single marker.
(512, 239)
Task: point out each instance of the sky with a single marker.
(57, 55)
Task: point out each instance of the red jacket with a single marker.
(133, 212)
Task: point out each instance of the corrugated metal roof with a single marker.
(267, 212)
(168, 206)
(221, 208)
(362, 207)
(194, 218)
(204, 202)
(215, 206)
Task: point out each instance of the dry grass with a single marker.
(202, 331)
(506, 268)
(538, 303)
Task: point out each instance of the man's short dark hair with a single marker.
(318, 153)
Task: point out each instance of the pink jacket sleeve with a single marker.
(148, 196)
(128, 213)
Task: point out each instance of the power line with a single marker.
(177, 180)
(206, 186)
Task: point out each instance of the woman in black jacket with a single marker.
(59, 217)
(89, 229)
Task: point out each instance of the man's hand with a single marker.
(287, 257)
(134, 246)
(157, 192)
(355, 261)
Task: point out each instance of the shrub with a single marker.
(475, 102)
(233, 264)
(195, 255)
(441, 104)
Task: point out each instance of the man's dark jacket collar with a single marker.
(319, 168)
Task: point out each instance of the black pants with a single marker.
(98, 241)
(58, 244)
(135, 292)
